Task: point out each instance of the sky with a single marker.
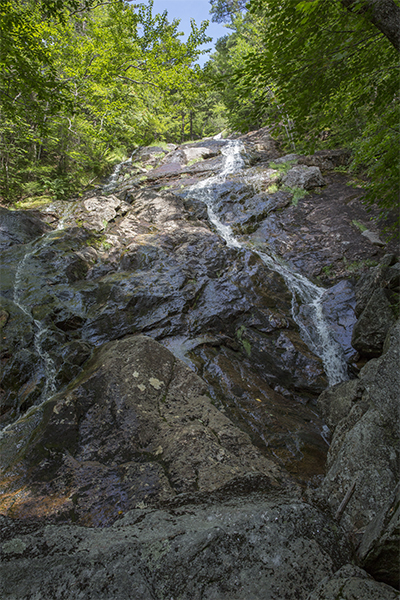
(197, 10)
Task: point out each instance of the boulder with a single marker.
(373, 237)
(243, 548)
(326, 159)
(135, 428)
(362, 465)
(386, 275)
(100, 210)
(370, 331)
(303, 177)
(285, 159)
(195, 154)
(352, 583)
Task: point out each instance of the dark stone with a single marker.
(20, 226)
(338, 304)
(256, 546)
(385, 275)
(370, 331)
(134, 428)
(326, 159)
(363, 457)
(352, 583)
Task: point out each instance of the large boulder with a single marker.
(362, 466)
(243, 548)
(98, 211)
(370, 331)
(303, 177)
(377, 296)
(136, 428)
(199, 153)
(386, 276)
(326, 159)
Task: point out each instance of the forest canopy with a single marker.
(322, 73)
(84, 81)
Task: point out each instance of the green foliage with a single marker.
(240, 333)
(297, 194)
(79, 79)
(225, 10)
(283, 168)
(324, 77)
(245, 109)
(359, 225)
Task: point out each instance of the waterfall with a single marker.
(39, 329)
(306, 296)
(112, 181)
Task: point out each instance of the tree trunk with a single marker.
(183, 128)
(384, 14)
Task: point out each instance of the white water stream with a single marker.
(19, 298)
(306, 296)
(113, 179)
(39, 329)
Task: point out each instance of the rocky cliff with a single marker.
(169, 430)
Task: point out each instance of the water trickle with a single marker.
(39, 329)
(306, 296)
(112, 182)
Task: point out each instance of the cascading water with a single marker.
(21, 289)
(306, 296)
(40, 330)
(112, 182)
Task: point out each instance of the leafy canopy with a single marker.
(81, 79)
(336, 78)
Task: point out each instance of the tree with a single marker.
(79, 79)
(244, 110)
(224, 10)
(384, 14)
(336, 76)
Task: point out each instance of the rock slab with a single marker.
(134, 429)
(244, 549)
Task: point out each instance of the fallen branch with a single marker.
(346, 500)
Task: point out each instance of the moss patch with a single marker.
(32, 202)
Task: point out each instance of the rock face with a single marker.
(155, 267)
(377, 295)
(303, 177)
(154, 381)
(136, 428)
(338, 306)
(363, 460)
(352, 583)
(253, 547)
(20, 227)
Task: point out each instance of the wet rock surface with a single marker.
(136, 428)
(219, 423)
(252, 547)
(158, 269)
(362, 478)
(20, 227)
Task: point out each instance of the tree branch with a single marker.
(137, 82)
(384, 14)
